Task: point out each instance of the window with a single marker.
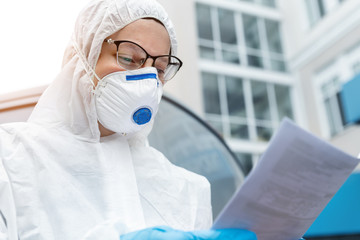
(220, 34)
(246, 161)
(356, 68)
(328, 83)
(243, 108)
(252, 38)
(317, 9)
(330, 92)
(228, 36)
(177, 133)
(268, 3)
(220, 42)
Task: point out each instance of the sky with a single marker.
(34, 35)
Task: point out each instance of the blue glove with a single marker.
(167, 233)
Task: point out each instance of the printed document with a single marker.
(291, 184)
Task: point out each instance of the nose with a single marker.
(148, 63)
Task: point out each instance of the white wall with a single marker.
(186, 85)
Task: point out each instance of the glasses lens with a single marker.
(130, 56)
(167, 67)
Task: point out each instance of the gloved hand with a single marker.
(167, 233)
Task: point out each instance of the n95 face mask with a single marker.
(127, 101)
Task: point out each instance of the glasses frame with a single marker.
(118, 42)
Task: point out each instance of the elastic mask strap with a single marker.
(89, 70)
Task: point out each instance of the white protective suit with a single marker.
(60, 180)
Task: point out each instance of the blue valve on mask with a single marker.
(142, 116)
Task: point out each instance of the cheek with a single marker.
(106, 66)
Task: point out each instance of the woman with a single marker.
(80, 167)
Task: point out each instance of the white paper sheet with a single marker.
(289, 187)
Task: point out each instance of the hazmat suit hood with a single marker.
(60, 180)
(68, 102)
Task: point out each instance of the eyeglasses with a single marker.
(132, 56)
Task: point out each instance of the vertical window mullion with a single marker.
(241, 43)
(216, 32)
(224, 105)
(313, 10)
(251, 122)
(336, 113)
(264, 43)
(321, 8)
(273, 106)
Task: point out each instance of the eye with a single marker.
(128, 62)
(125, 59)
(160, 71)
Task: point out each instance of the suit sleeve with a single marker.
(8, 230)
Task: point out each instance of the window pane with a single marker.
(231, 57)
(227, 26)
(217, 126)
(283, 101)
(312, 10)
(269, 3)
(331, 87)
(235, 97)
(321, 6)
(204, 21)
(277, 65)
(330, 116)
(273, 36)
(245, 160)
(356, 68)
(207, 52)
(251, 31)
(255, 61)
(239, 131)
(264, 133)
(260, 100)
(211, 158)
(211, 93)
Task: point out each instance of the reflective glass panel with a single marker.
(217, 126)
(251, 31)
(283, 101)
(188, 143)
(235, 96)
(269, 3)
(227, 26)
(230, 57)
(255, 61)
(260, 100)
(239, 131)
(211, 93)
(245, 160)
(204, 21)
(273, 36)
(207, 53)
(278, 65)
(330, 116)
(264, 133)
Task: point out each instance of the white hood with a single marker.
(68, 102)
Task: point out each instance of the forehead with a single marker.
(148, 33)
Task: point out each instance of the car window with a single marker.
(188, 142)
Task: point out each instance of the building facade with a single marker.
(250, 63)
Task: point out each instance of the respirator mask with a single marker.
(126, 101)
